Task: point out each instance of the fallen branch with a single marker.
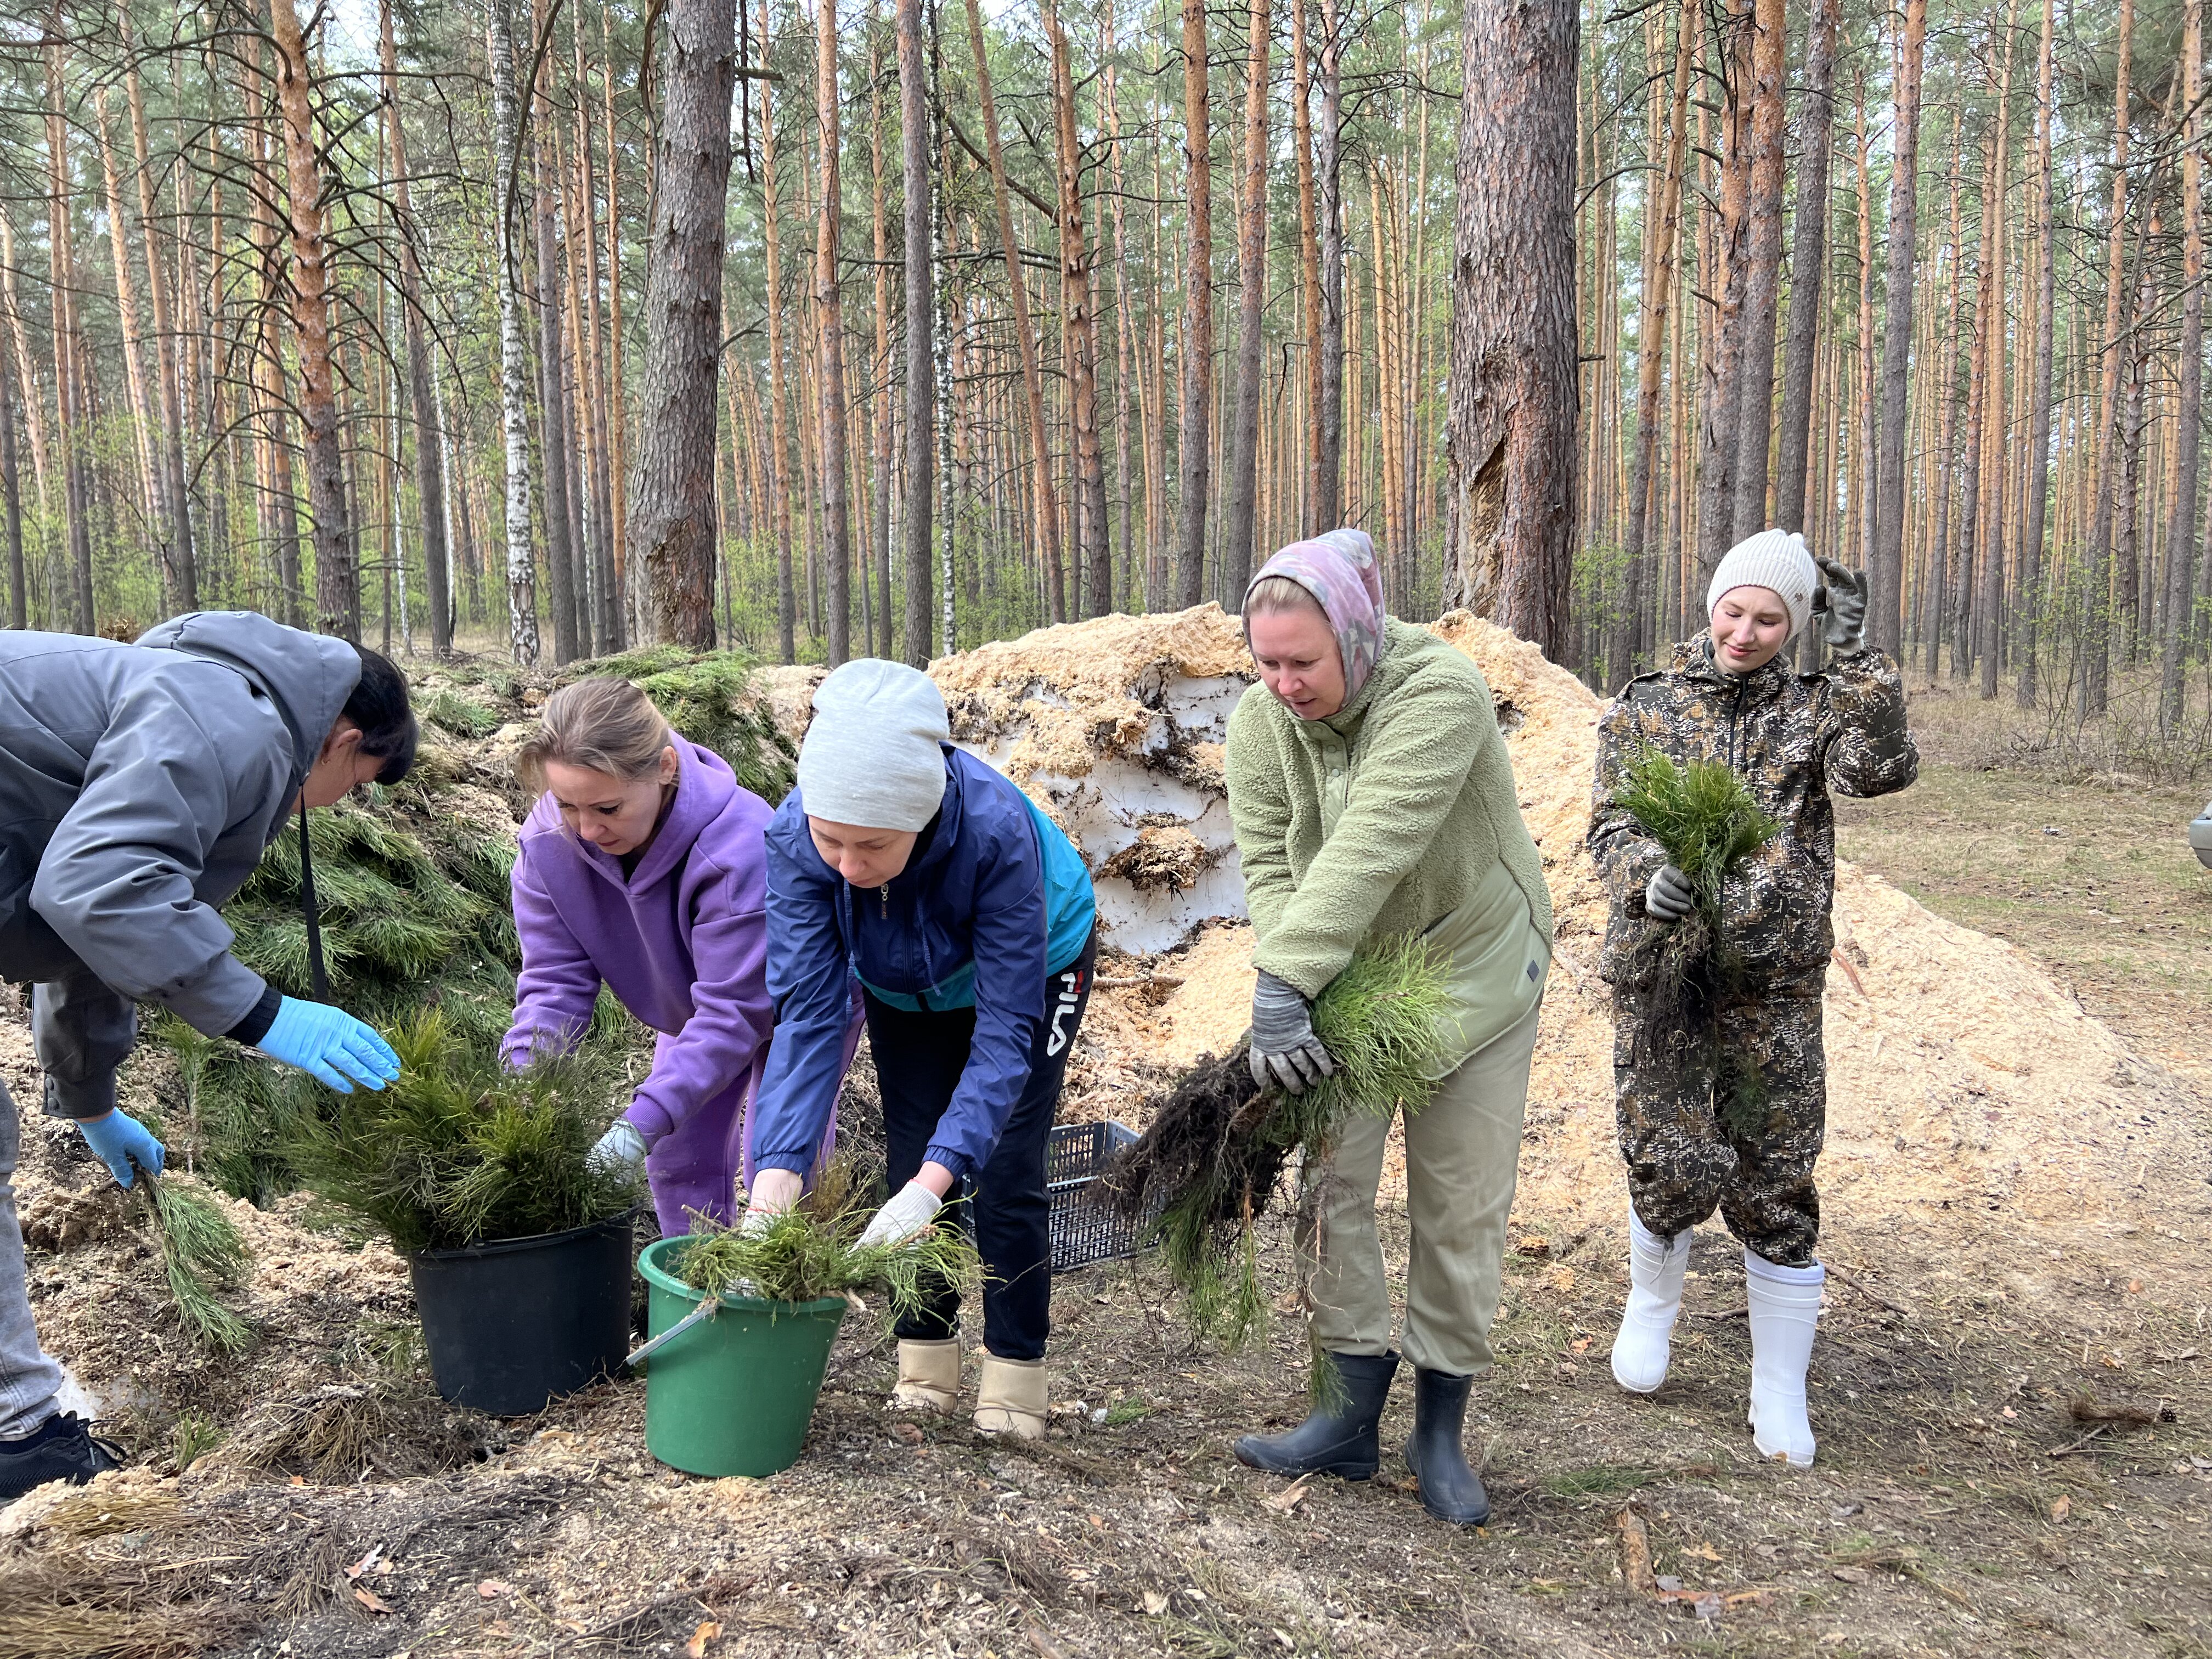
(1124, 981)
(1851, 1279)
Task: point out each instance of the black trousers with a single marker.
(919, 1058)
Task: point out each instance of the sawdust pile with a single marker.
(1960, 1076)
(1115, 729)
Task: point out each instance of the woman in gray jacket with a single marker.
(139, 786)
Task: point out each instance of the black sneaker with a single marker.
(59, 1448)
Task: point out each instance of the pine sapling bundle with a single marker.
(1707, 823)
(812, 1251)
(202, 1254)
(1208, 1165)
(457, 1149)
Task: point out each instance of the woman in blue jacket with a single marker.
(968, 918)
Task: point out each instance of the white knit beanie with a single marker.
(870, 758)
(1774, 559)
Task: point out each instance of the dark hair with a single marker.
(379, 707)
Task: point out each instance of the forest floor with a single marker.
(2011, 1386)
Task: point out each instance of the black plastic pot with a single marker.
(515, 1323)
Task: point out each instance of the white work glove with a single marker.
(1285, 1052)
(912, 1208)
(1669, 897)
(621, 1148)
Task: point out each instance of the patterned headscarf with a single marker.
(1338, 569)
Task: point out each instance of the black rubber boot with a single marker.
(1450, 1491)
(1339, 1441)
(57, 1450)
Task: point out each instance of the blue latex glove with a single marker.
(120, 1140)
(324, 1042)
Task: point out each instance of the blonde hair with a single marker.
(1272, 596)
(603, 725)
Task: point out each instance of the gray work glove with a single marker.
(621, 1148)
(1841, 606)
(1285, 1052)
(912, 1208)
(1669, 896)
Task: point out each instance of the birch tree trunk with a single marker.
(513, 366)
(337, 582)
(1511, 431)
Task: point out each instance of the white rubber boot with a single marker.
(1655, 1267)
(929, 1377)
(1011, 1398)
(1785, 1306)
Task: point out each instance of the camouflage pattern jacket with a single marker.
(1791, 737)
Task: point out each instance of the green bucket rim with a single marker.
(660, 1279)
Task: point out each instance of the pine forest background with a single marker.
(547, 328)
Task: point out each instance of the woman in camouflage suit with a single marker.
(1729, 694)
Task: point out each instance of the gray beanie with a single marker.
(870, 758)
(1774, 559)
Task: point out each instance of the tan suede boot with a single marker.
(1011, 1398)
(929, 1377)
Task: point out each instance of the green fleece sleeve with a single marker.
(1870, 749)
(1259, 811)
(1421, 746)
(1627, 856)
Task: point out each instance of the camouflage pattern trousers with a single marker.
(1734, 1123)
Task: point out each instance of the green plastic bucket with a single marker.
(734, 1393)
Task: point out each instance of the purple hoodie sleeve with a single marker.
(730, 1016)
(558, 987)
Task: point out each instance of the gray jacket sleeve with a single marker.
(168, 778)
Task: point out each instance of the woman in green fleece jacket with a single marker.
(1373, 797)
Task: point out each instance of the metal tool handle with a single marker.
(654, 1344)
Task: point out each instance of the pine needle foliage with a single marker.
(464, 717)
(812, 1251)
(457, 1151)
(1707, 823)
(708, 697)
(203, 1253)
(1208, 1165)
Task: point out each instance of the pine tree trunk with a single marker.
(337, 583)
(1110, 119)
(513, 366)
(1328, 209)
(429, 440)
(555, 442)
(830, 332)
(1194, 442)
(921, 437)
(1662, 227)
(2039, 443)
(1762, 285)
(617, 400)
(2181, 534)
(1886, 576)
(2096, 630)
(1718, 461)
(1238, 554)
(11, 489)
(1092, 553)
(1809, 256)
(1511, 430)
(880, 521)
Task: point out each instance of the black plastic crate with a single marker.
(1084, 1230)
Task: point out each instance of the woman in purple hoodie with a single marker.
(642, 865)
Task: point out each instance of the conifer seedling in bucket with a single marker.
(733, 1394)
(519, 1248)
